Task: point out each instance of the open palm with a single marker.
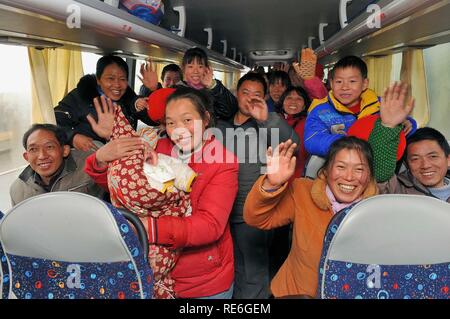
(280, 164)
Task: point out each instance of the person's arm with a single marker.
(271, 203)
(207, 223)
(315, 88)
(225, 103)
(385, 136)
(318, 137)
(285, 131)
(96, 165)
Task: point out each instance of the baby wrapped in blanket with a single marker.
(154, 191)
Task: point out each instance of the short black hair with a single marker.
(300, 91)
(195, 54)
(254, 77)
(279, 76)
(351, 61)
(431, 134)
(106, 60)
(199, 98)
(350, 143)
(171, 68)
(56, 130)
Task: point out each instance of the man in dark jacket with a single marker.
(248, 134)
(53, 167)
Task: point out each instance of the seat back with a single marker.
(389, 246)
(314, 164)
(72, 245)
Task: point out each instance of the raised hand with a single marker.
(141, 104)
(83, 143)
(149, 77)
(208, 77)
(116, 149)
(258, 108)
(306, 69)
(395, 105)
(105, 114)
(280, 165)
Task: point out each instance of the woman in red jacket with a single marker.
(292, 106)
(205, 267)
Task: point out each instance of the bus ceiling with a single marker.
(238, 32)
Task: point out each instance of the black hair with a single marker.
(350, 61)
(195, 54)
(254, 77)
(106, 60)
(431, 134)
(202, 102)
(279, 76)
(301, 92)
(350, 143)
(171, 68)
(56, 130)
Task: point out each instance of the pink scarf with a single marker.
(335, 205)
(197, 87)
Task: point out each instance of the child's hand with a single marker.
(394, 107)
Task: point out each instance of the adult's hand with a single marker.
(83, 143)
(149, 77)
(395, 106)
(258, 108)
(122, 147)
(280, 165)
(105, 113)
(208, 78)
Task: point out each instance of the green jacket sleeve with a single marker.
(384, 142)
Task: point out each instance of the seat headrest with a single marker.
(314, 164)
(64, 226)
(394, 230)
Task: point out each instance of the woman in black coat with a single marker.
(77, 114)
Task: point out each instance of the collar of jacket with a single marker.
(69, 167)
(409, 181)
(319, 195)
(370, 103)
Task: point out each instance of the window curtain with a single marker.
(413, 73)
(379, 72)
(55, 72)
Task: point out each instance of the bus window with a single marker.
(15, 105)
(89, 62)
(437, 64)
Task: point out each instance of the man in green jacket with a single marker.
(53, 167)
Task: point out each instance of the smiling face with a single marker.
(184, 124)
(248, 90)
(276, 90)
(170, 79)
(347, 85)
(45, 154)
(194, 72)
(348, 175)
(293, 103)
(428, 163)
(113, 82)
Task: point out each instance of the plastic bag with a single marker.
(149, 10)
